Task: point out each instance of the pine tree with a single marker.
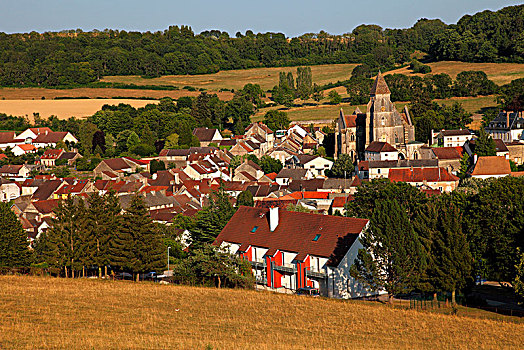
(137, 246)
(393, 256)
(65, 238)
(13, 240)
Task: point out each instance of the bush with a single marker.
(143, 150)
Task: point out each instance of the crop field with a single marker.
(236, 79)
(63, 109)
(49, 94)
(500, 73)
(45, 313)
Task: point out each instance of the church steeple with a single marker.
(380, 87)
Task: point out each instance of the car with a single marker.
(150, 276)
(124, 276)
(309, 291)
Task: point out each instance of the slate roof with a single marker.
(295, 232)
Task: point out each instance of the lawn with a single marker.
(236, 79)
(45, 313)
(500, 73)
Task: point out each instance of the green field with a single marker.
(236, 79)
(54, 313)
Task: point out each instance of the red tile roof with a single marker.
(308, 195)
(492, 165)
(378, 146)
(27, 147)
(448, 152)
(8, 136)
(272, 176)
(52, 153)
(46, 206)
(295, 232)
(420, 174)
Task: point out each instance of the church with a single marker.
(381, 122)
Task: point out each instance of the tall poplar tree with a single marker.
(13, 239)
(304, 82)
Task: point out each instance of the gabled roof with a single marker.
(380, 87)
(10, 169)
(491, 165)
(448, 152)
(51, 137)
(204, 134)
(7, 136)
(295, 174)
(45, 190)
(295, 232)
(117, 164)
(379, 146)
(52, 153)
(26, 147)
(46, 206)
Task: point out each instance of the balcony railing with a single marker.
(259, 263)
(316, 274)
(291, 268)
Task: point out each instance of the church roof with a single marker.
(379, 86)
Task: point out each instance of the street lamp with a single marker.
(168, 259)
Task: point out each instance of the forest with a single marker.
(74, 58)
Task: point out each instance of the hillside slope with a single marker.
(40, 313)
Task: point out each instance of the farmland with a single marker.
(500, 73)
(39, 313)
(236, 79)
(63, 109)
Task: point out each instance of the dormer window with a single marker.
(317, 237)
(254, 229)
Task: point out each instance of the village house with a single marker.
(285, 176)
(118, 166)
(490, 166)
(23, 148)
(315, 165)
(516, 151)
(451, 138)
(380, 169)
(507, 126)
(7, 139)
(248, 171)
(291, 250)
(378, 150)
(15, 172)
(207, 136)
(51, 156)
(9, 190)
(280, 153)
(434, 178)
(262, 130)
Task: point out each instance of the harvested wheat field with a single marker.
(49, 94)
(236, 79)
(40, 313)
(500, 73)
(63, 109)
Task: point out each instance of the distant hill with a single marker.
(76, 58)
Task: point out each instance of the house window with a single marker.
(317, 237)
(254, 229)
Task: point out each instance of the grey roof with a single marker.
(295, 174)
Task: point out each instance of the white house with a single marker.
(291, 250)
(451, 138)
(378, 150)
(8, 190)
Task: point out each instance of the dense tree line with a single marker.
(75, 57)
(441, 243)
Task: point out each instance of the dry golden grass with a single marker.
(63, 109)
(500, 73)
(40, 313)
(38, 93)
(236, 79)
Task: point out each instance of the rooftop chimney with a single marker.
(273, 218)
(475, 158)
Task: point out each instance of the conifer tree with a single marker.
(485, 145)
(65, 238)
(13, 240)
(137, 246)
(304, 82)
(393, 256)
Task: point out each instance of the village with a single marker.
(291, 232)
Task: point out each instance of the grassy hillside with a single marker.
(39, 313)
(500, 73)
(236, 79)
